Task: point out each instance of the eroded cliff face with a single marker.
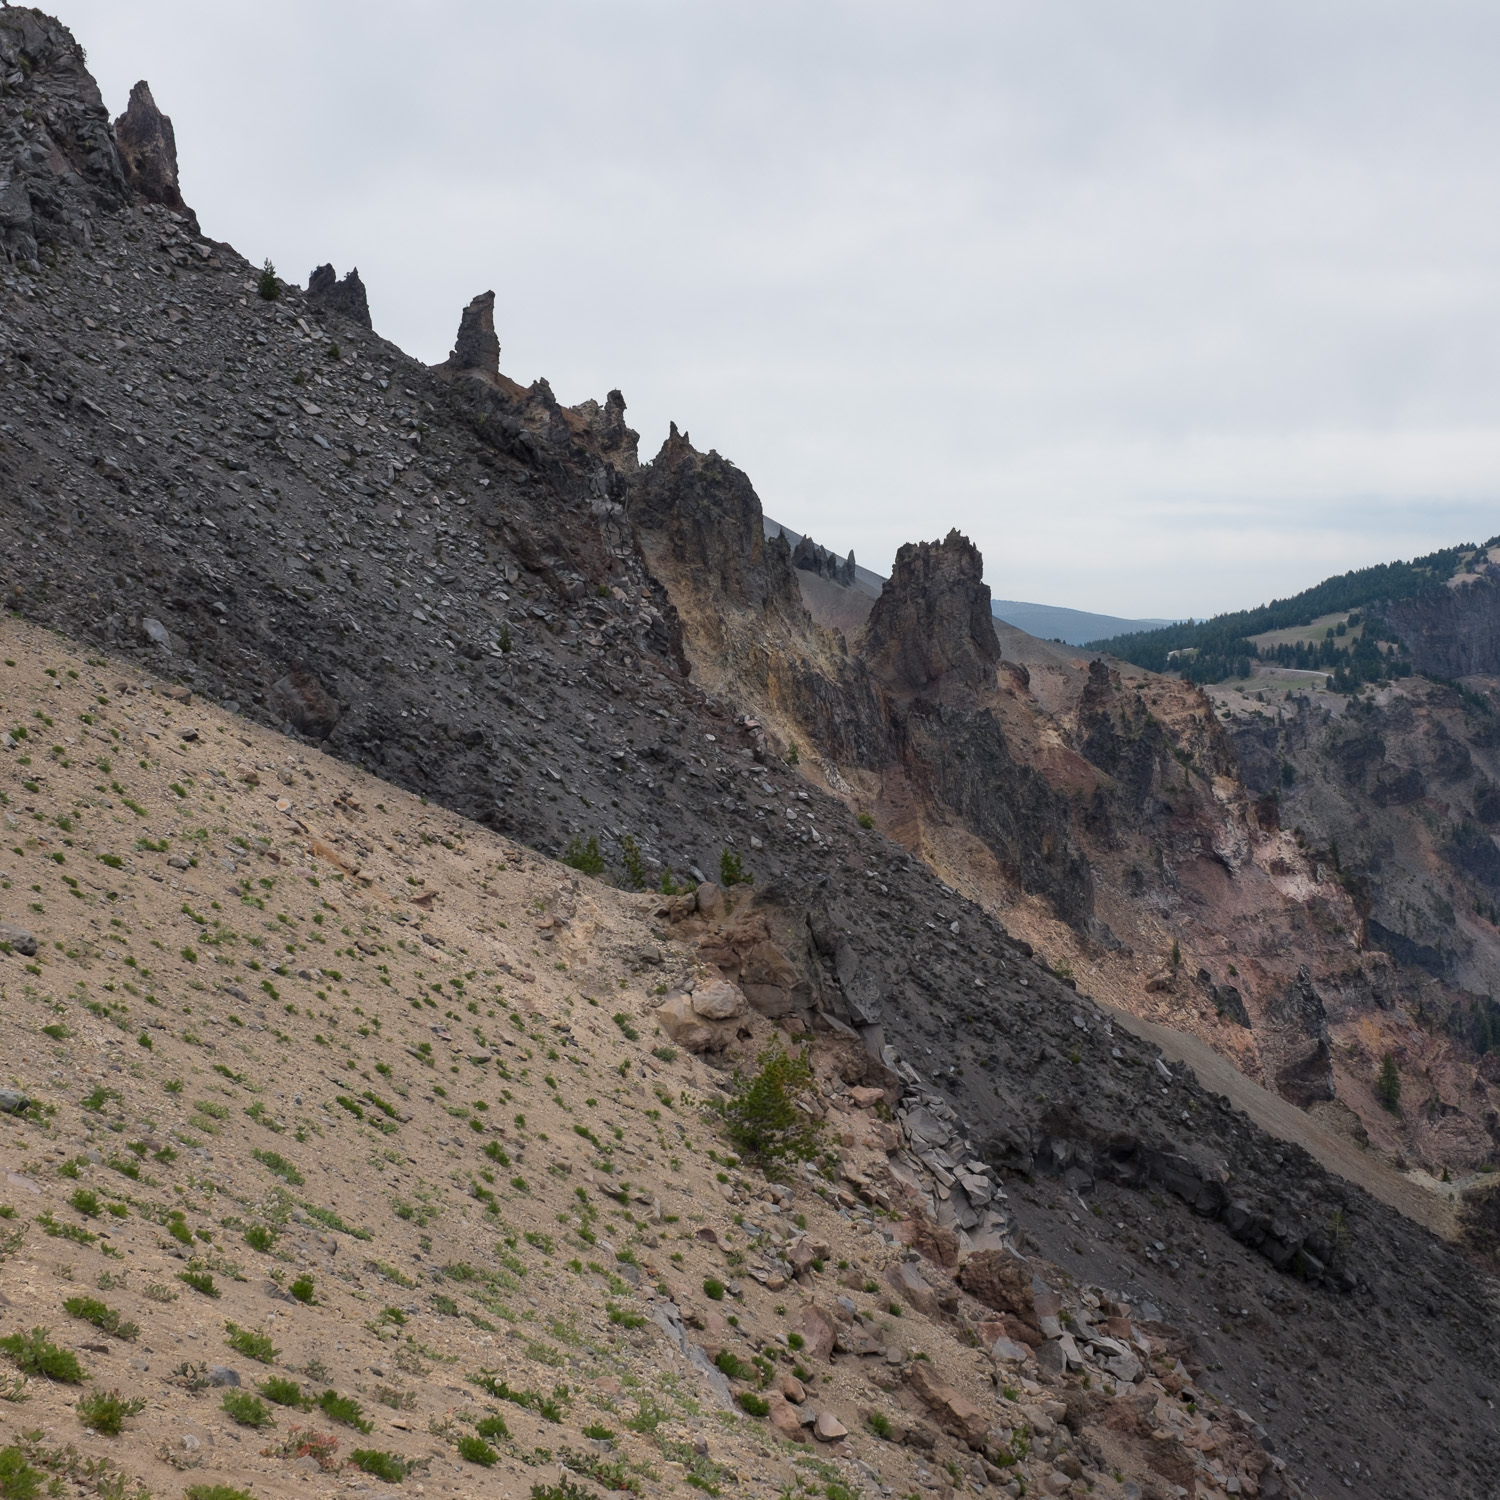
(1453, 631)
(904, 718)
(1178, 863)
(58, 163)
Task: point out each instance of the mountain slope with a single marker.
(345, 544)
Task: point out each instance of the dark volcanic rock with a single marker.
(477, 348)
(346, 298)
(931, 634)
(148, 153)
(705, 512)
(305, 704)
(1303, 1068)
(58, 163)
(808, 556)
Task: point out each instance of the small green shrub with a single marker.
(734, 1367)
(795, 1341)
(86, 1201)
(18, 1480)
(625, 1317)
(866, 821)
(282, 1391)
(665, 1054)
(475, 1450)
(200, 1281)
(260, 1237)
(713, 1289)
(627, 1030)
(564, 1489)
(34, 1354)
(105, 1411)
(880, 1425)
(757, 1406)
(599, 1432)
(383, 1465)
(276, 1163)
(92, 1310)
(248, 1410)
(492, 1426)
(302, 1290)
(215, 1492)
(252, 1344)
(344, 1409)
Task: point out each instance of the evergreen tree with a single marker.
(1388, 1084)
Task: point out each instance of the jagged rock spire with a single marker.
(148, 153)
(930, 634)
(346, 297)
(477, 348)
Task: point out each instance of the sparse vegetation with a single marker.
(383, 1465)
(475, 1450)
(584, 856)
(344, 1409)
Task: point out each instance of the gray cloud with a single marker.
(1173, 307)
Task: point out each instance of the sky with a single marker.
(1171, 307)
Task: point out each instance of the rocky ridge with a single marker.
(437, 576)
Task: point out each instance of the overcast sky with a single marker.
(1172, 307)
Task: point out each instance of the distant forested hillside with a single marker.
(1221, 647)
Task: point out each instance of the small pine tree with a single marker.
(1176, 954)
(1388, 1084)
(268, 286)
(732, 870)
(761, 1114)
(505, 642)
(635, 868)
(584, 856)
